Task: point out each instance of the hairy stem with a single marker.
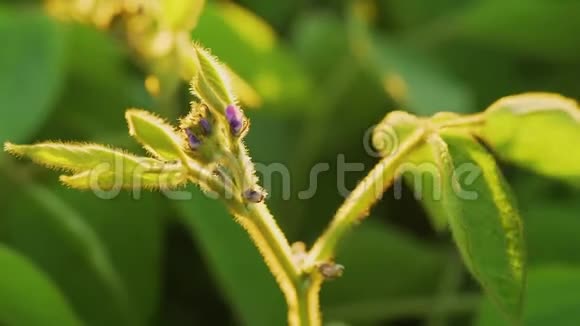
(275, 249)
(309, 301)
(359, 202)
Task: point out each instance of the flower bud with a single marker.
(192, 140)
(253, 196)
(235, 119)
(205, 126)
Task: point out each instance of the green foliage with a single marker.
(515, 127)
(19, 279)
(487, 229)
(31, 59)
(90, 261)
(211, 82)
(158, 138)
(100, 167)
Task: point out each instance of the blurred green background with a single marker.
(326, 71)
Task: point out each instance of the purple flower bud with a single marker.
(206, 126)
(193, 141)
(235, 119)
(253, 196)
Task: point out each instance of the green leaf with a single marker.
(31, 62)
(552, 298)
(211, 82)
(149, 177)
(421, 174)
(483, 218)
(538, 131)
(74, 157)
(157, 136)
(236, 264)
(28, 297)
(102, 168)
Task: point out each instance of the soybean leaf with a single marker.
(157, 136)
(482, 216)
(211, 82)
(538, 131)
(148, 177)
(28, 297)
(552, 298)
(421, 174)
(102, 168)
(236, 264)
(31, 62)
(75, 157)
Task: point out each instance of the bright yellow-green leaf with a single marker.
(100, 167)
(538, 131)
(211, 83)
(483, 218)
(76, 157)
(157, 136)
(421, 173)
(28, 297)
(181, 14)
(145, 177)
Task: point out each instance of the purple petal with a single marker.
(206, 126)
(193, 141)
(235, 119)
